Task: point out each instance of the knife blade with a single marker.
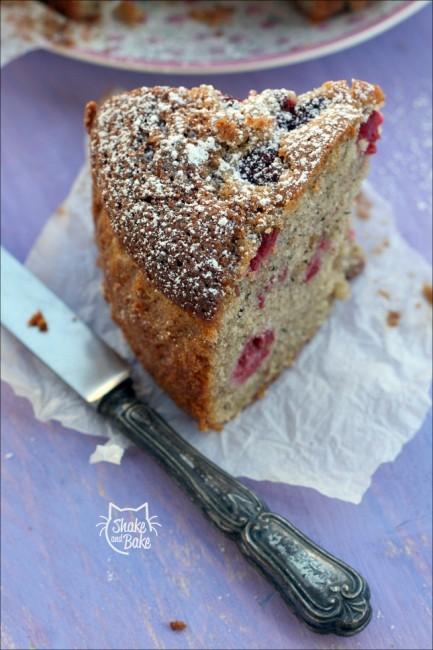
(325, 593)
(68, 347)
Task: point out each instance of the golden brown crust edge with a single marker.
(174, 346)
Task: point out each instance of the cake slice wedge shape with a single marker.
(223, 228)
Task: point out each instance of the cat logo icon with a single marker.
(128, 529)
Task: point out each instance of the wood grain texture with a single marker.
(62, 586)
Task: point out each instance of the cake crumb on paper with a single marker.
(61, 211)
(38, 320)
(377, 250)
(384, 294)
(393, 318)
(427, 292)
(177, 626)
(363, 206)
(341, 290)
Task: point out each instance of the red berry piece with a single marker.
(256, 349)
(288, 104)
(370, 131)
(313, 267)
(265, 249)
(316, 261)
(261, 301)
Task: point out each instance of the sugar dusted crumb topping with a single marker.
(191, 178)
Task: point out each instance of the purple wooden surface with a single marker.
(62, 586)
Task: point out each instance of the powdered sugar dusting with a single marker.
(196, 154)
(190, 178)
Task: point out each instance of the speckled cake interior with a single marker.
(223, 228)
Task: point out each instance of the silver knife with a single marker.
(324, 592)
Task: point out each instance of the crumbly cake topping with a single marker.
(192, 178)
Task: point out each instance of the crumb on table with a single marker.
(384, 294)
(393, 318)
(177, 626)
(38, 320)
(427, 292)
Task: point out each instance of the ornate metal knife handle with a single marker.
(327, 594)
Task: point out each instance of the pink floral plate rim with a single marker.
(345, 39)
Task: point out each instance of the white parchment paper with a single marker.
(357, 393)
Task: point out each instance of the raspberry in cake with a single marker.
(223, 228)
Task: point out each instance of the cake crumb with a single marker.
(393, 318)
(213, 16)
(341, 290)
(177, 626)
(384, 294)
(427, 292)
(377, 250)
(38, 320)
(363, 206)
(129, 13)
(261, 392)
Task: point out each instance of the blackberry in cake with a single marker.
(223, 228)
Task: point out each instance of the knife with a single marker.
(324, 592)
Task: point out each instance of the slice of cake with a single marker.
(223, 228)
